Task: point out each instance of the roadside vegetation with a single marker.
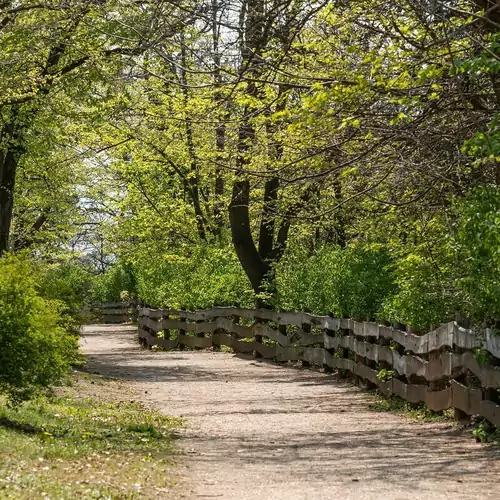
(90, 441)
(334, 157)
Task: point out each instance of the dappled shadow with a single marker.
(21, 427)
(400, 455)
(255, 415)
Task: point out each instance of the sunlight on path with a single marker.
(261, 431)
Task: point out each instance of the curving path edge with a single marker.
(261, 431)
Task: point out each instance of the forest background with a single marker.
(337, 157)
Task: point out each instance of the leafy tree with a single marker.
(35, 349)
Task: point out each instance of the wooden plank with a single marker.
(385, 332)
(165, 343)
(113, 312)
(314, 355)
(385, 354)
(398, 336)
(491, 412)
(371, 330)
(290, 318)
(439, 400)
(346, 324)
(306, 339)
(442, 336)
(438, 367)
(331, 342)
(366, 372)
(115, 319)
(489, 375)
(492, 343)
(154, 325)
(367, 350)
(236, 345)
(271, 333)
(358, 328)
(289, 353)
(416, 344)
(460, 396)
(195, 342)
(466, 339)
(325, 322)
(151, 341)
(266, 351)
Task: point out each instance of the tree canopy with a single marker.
(331, 156)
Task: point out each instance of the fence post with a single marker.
(182, 332)
(306, 328)
(258, 339)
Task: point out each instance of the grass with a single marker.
(415, 411)
(85, 443)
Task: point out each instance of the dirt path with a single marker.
(259, 431)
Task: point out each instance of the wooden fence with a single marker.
(440, 368)
(112, 312)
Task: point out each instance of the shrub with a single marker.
(36, 351)
(426, 295)
(351, 282)
(118, 283)
(478, 247)
(66, 282)
(210, 276)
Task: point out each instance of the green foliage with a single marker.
(385, 375)
(66, 282)
(424, 297)
(485, 143)
(210, 276)
(351, 282)
(478, 243)
(416, 411)
(36, 351)
(485, 432)
(115, 285)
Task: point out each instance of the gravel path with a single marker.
(260, 431)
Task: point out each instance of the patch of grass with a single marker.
(70, 446)
(484, 432)
(415, 411)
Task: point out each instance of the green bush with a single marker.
(118, 283)
(210, 276)
(66, 282)
(351, 282)
(426, 295)
(36, 351)
(478, 250)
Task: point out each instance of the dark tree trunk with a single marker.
(220, 130)
(8, 167)
(252, 263)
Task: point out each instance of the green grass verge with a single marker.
(70, 447)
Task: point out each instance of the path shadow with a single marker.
(372, 450)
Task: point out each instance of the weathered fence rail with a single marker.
(112, 312)
(440, 368)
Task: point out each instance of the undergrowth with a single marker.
(69, 447)
(416, 411)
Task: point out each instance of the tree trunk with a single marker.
(252, 263)
(220, 130)
(8, 168)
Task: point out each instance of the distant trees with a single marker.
(156, 129)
